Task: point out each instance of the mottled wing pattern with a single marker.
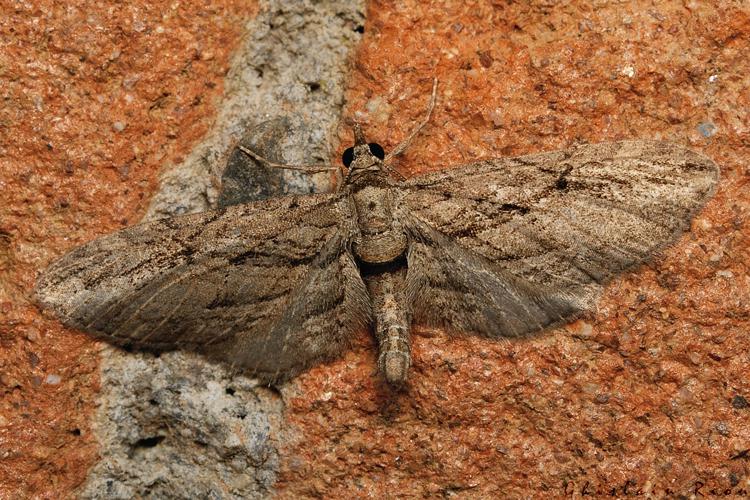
(461, 290)
(269, 286)
(565, 221)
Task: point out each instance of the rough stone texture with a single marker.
(95, 98)
(98, 99)
(647, 395)
(177, 426)
(290, 66)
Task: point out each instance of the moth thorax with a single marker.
(381, 238)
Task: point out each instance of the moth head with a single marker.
(363, 156)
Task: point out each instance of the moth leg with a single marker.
(392, 316)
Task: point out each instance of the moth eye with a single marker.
(348, 157)
(377, 150)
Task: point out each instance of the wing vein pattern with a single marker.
(268, 286)
(530, 241)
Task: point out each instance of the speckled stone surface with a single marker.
(111, 128)
(177, 426)
(648, 396)
(96, 98)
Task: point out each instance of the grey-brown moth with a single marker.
(501, 248)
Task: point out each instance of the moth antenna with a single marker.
(359, 136)
(405, 144)
(312, 168)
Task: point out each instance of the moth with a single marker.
(501, 248)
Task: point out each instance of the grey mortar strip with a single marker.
(176, 426)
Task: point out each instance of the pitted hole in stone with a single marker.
(145, 448)
(142, 446)
(230, 391)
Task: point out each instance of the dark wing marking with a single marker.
(568, 220)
